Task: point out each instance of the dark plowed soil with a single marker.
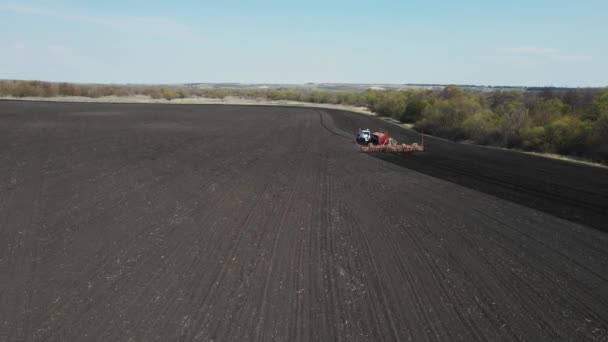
(150, 222)
(570, 191)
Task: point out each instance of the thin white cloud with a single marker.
(158, 27)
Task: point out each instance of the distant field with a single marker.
(228, 100)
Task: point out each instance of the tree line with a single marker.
(570, 122)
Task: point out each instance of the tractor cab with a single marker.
(364, 136)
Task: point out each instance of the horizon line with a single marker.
(261, 84)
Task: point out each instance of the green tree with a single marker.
(599, 107)
(568, 135)
(601, 127)
(414, 111)
(534, 138)
(452, 91)
(513, 120)
(600, 137)
(389, 103)
(445, 117)
(500, 97)
(482, 126)
(547, 111)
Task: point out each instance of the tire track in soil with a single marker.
(287, 208)
(278, 178)
(373, 201)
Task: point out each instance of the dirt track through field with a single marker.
(158, 222)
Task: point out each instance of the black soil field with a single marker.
(151, 222)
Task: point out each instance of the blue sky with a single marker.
(535, 42)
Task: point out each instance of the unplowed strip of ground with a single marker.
(154, 222)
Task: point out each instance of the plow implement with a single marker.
(381, 142)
